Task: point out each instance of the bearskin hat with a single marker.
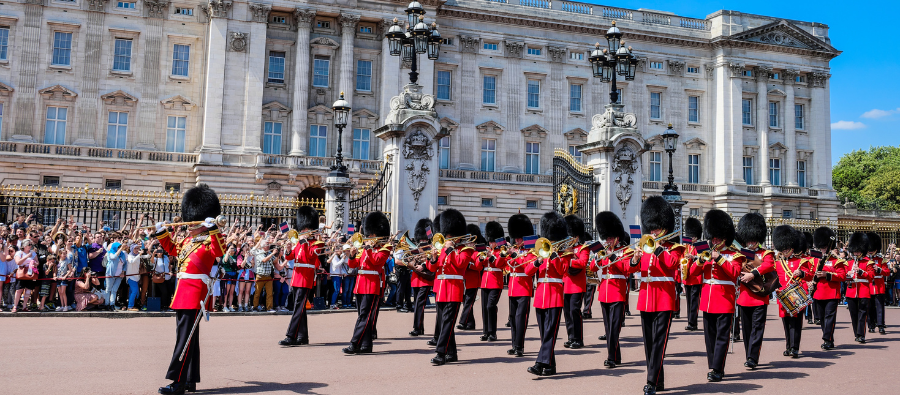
(587, 236)
(519, 226)
(436, 224)
(874, 241)
(376, 223)
(421, 231)
(718, 224)
(693, 228)
(807, 241)
(801, 242)
(656, 213)
(493, 231)
(453, 223)
(475, 230)
(784, 238)
(609, 225)
(751, 229)
(307, 218)
(859, 242)
(199, 203)
(575, 226)
(824, 238)
(553, 226)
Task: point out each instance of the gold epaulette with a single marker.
(317, 242)
(163, 235)
(677, 248)
(766, 252)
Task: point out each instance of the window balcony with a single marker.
(495, 177)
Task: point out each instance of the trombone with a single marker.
(357, 241)
(220, 221)
(439, 241)
(647, 244)
(544, 248)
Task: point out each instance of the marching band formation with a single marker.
(724, 271)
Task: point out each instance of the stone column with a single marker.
(88, 104)
(467, 138)
(348, 35)
(559, 108)
(148, 136)
(26, 75)
(303, 18)
(819, 129)
(790, 134)
(514, 85)
(211, 148)
(254, 83)
(337, 206)
(762, 122)
(390, 82)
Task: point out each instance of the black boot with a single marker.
(537, 369)
(795, 353)
(511, 351)
(432, 342)
(750, 363)
(492, 338)
(414, 333)
(576, 345)
(602, 337)
(567, 344)
(609, 364)
(191, 386)
(484, 337)
(881, 330)
(439, 360)
(714, 376)
(172, 389)
(649, 389)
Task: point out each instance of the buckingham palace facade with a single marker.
(159, 94)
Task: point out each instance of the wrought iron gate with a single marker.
(371, 196)
(574, 191)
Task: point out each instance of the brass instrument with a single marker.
(357, 241)
(293, 236)
(220, 221)
(438, 240)
(684, 264)
(544, 248)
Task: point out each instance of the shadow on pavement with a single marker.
(259, 386)
(590, 373)
(714, 388)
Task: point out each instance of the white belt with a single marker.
(550, 280)
(657, 279)
(191, 276)
(715, 281)
(450, 277)
(879, 276)
(306, 265)
(372, 272)
(518, 275)
(616, 276)
(860, 280)
(492, 269)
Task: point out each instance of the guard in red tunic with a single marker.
(436, 228)
(751, 232)
(548, 298)
(492, 280)
(575, 284)
(196, 254)
(875, 318)
(830, 273)
(859, 274)
(450, 267)
(369, 279)
(591, 288)
(306, 262)
(656, 300)
(613, 271)
(692, 283)
(421, 279)
(473, 280)
(521, 282)
(720, 274)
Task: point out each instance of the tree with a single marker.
(869, 178)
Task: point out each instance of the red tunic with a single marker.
(877, 287)
(492, 277)
(371, 270)
(785, 269)
(658, 279)
(858, 285)
(418, 281)
(521, 275)
(718, 293)
(449, 285)
(473, 269)
(750, 299)
(692, 279)
(306, 262)
(830, 286)
(196, 256)
(576, 284)
(549, 292)
(614, 277)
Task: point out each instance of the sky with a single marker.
(865, 78)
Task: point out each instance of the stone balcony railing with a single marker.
(701, 188)
(639, 16)
(774, 190)
(298, 162)
(495, 177)
(96, 153)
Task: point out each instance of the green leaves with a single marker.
(871, 179)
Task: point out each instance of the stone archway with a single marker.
(312, 192)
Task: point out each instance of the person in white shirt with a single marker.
(115, 272)
(133, 274)
(338, 266)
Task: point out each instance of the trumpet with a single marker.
(357, 241)
(544, 248)
(220, 221)
(438, 240)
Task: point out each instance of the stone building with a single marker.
(154, 94)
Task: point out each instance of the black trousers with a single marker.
(858, 308)
(679, 289)
(519, 309)
(378, 301)
(367, 307)
(692, 294)
(404, 290)
(717, 331)
(574, 320)
(876, 311)
(753, 320)
(613, 319)
(655, 327)
(589, 299)
(793, 329)
(188, 369)
(489, 300)
(548, 323)
(421, 294)
(297, 329)
(826, 310)
(467, 318)
(446, 339)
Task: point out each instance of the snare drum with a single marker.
(793, 298)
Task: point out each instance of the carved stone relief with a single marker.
(676, 66)
(468, 44)
(625, 164)
(96, 5)
(514, 49)
(418, 151)
(413, 100)
(237, 41)
(611, 118)
(259, 12)
(303, 18)
(557, 54)
(156, 8)
(216, 8)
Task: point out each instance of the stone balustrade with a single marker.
(495, 177)
(639, 16)
(96, 152)
(296, 162)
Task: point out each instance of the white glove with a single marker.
(160, 227)
(209, 222)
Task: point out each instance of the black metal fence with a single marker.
(574, 191)
(370, 197)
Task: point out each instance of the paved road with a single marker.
(240, 356)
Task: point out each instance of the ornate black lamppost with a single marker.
(341, 110)
(617, 60)
(670, 141)
(417, 38)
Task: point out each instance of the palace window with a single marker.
(573, 150)
(747, 112)
(488, 152)
(276, 67)
(184, 11)
(621, 95)
(323, 24)
(126, 5)
(112, 184)
(655, 99)
(181, 58)
(447, 41)
(1, 119)
(490, 46)
(487, 202)
(55, 126)
(443, 85)
(800, 78)
(279, 19)
(694, 169)
(748, 170)
(656, 65)
(62, 49)
(4, 43)
(361, 141)
(788, 214)
(365, 29)
(693, 70)
(444, 152)
(442, 200)
(320, 71)
(532, 158)
(798, 116)
(116, 129)
(775, 171)
(172, 186)
(364, 75)
(575, 98)
(489, 93)
(175, 130)
(773, 114)
(534, 94)
(272, 138)
(695, 212)
(748, 73)
(122, 56)
(801, 173)
(531, 204)
(318, 140)
(655, 166)
(50, 181)
(576, 55)
(693, 108)
(534, 51)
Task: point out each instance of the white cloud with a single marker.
(847, 125)
(876, 113)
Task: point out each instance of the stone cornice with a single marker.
(156, 8)
(303, 18)
(216, 8)
(259, 12)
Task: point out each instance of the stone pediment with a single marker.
(448, 124)
(777, 149)
(655, 141)
(776, 92)
(695, 143)
(577, 134)
(324, 41)
(58, 92)
(119, 98)
(490, 127)
(785, 34)
(5, 90)
(319, 109)
(535, 131)
(178, 102)
(364, 113)
(275, 110)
